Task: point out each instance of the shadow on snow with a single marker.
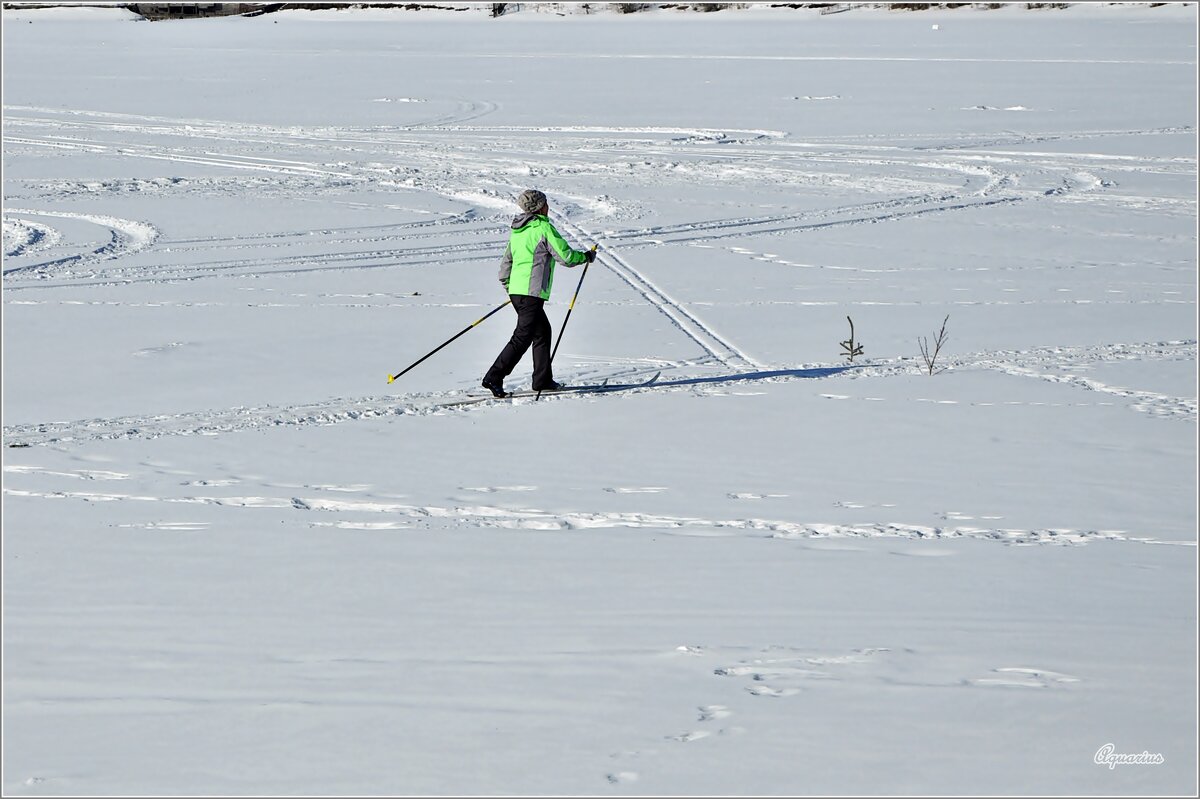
(827, 371)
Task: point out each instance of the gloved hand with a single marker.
(590, 255)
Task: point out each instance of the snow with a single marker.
(238, 561)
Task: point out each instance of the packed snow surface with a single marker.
(237, 560)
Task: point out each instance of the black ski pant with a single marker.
(533, 329)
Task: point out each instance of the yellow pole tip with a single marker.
(391, 379)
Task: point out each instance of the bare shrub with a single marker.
(930, 357)
(851, 348)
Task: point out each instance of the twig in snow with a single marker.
(931, 359)
(850, 347)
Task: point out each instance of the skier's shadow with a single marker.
(801, 373)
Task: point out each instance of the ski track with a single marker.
(929, 175)
(824, 58)
(25, 237)
(126, 237)
(348, 513)
(926, 173)
(1050, 363)
(726, 353)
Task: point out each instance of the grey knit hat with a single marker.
(531, 201)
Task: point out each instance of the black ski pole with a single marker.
(392, 378)
(567, 318)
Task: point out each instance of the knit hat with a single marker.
(531, 201)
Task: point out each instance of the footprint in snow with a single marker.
(619, 777)
(766, 690)
(714, 712)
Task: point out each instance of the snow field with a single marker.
(237, 561)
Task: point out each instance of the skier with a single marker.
(527, 273)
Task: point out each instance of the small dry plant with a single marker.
(851, 348)
(930, 357)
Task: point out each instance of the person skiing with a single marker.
(527, 274)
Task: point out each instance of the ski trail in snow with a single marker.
(23, 237)
(347, 513)
(159, 153)
(993, 177)
(127, 237)
(708, 339)
(896, 213)
(583, 54)
(755, 225)
(1040, 363)
(333, 411)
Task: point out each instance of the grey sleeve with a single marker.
(506, 266)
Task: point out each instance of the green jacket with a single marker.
(533, 247)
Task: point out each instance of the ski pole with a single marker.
(567, 318)
(392, 378)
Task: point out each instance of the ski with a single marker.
(590, 388)
(594, 388)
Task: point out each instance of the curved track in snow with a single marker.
(126, 236)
